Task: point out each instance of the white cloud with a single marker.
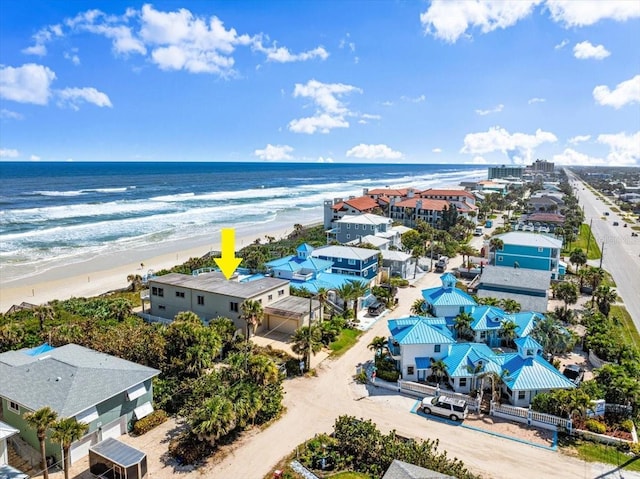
(72, 57)
(437, 150)
(579, 139)
(73, 97)
(562, 44)
(495, 109)
(417, 99)
(330, 111)
(626, 92)
(283, 55)
(449, 20)
(573, 157)
(29, 83)
(274, 152)
(371, 152)
(41, 38)
(579, 14)
(585, 50)
(325, 160)
(518, 146)
(9, 153)
(536, 100)
(369, 116)
(34, 158)
(478, 160)
(624, 149)
(10, 115)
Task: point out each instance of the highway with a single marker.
(621, 256)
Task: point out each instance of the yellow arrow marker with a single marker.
(228, 263)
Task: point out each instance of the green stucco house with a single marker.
(104, 391)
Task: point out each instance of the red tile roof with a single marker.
(389, 192)
(362, 203)
(434, 192)
(427, 204)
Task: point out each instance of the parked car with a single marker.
(477, 232)
(454, 409)
(615, 223)
(442, 263)
(606, 213)
(376, 308)
(574, 373)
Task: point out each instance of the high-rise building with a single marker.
(542, 166)
(510, 171)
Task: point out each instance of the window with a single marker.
(281, 292)
(483, 335)
(179, 294)
(162, 307)
(529, 352)
(14, 407)
(355, 226)
(499, 259)
(540, 250)
(233, 306)
(436, 348)
(521, 394)
(201, 300)
(410, 370)
(348, 226)
(348, 236)
(352, 261)
(463, 382)
(270, 297)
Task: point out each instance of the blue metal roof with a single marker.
(447, 297)
(274, 263)
(525, 321)
(326, 281)
(532, 373)
(486, 318)
(463, 358)
(420, 331)
(528, 343)
(305, 247)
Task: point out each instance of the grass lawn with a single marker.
(627, 327)
(594, 452)
(582, 240)
(615, 210)
(347, 338)
(350, 475)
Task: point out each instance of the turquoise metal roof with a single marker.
(532, 373)
(316, 264)
(305, 247)
(528, 343)
(326, 281)
(420, 332)
(274, 263)
(447, 297)
(486, 318)
(463, 358)
(525, 321)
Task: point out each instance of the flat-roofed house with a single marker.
(101, 390)
(531, 251)
(527, 287)
(352, 227)
(211, 295)
(351, 261)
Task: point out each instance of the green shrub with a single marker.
(361, 377)
(595, 426)
(627, 425)
(399, 282)
(188, 449)
(147, 423)
(391, 376)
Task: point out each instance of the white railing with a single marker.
(154, 319)
(530, 417)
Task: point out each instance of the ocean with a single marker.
(55, 214)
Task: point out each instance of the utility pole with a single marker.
(589, 237)
(601, 254)
(309, 349)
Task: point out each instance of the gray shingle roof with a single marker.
(69, 379)
(404, 470)
(516, 279)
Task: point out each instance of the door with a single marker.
(114, 429)
(80, 449)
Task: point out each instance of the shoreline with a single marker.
(101, 275)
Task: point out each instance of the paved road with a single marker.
(621, 255)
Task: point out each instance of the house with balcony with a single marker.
(351, 228)
(447, 301)
(350, 261)
(530, 251)
(411, 210)
(338, 208)
(211, 295)
(103, 391)
(463, 200)
(397, 262)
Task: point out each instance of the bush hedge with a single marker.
(595, 426)
(147, 423)
(627, 425)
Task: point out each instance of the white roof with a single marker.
(524, 238)
(401, 229)
(6, 430)
(347, 252)
(366, 218)
(395, 255)
(376, 241)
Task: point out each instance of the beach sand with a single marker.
(100, 275)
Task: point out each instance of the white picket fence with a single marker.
(530, 417)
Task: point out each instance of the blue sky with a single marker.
(321, 81)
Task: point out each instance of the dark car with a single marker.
(376, 308)
(574, 373)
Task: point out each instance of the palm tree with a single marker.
(553, 338)
(510, 305)
(568, 293)
(605, 296)
(322, 294)
(214, 419)
(466, 251)
(439, 369)
(379, 343)
(578, 258)
(44, 313)
(307, 340)
(495, 244)
(508, 331)
(416, 253)
(41, 420)
(253, 313)
(359, 289)
(135, 280)
(346, 292)
(462, 325)
(419, 307)
(496, 381)
(66, 431)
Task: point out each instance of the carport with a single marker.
(112, 459)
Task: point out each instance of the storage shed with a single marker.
(112, 459)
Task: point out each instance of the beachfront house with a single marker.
(338, 208)
(447, 301)
(411, 210)
(397, 262)
(210, 295)
(103, 391)
(350, 261)
(531, 251)
(353, 227)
